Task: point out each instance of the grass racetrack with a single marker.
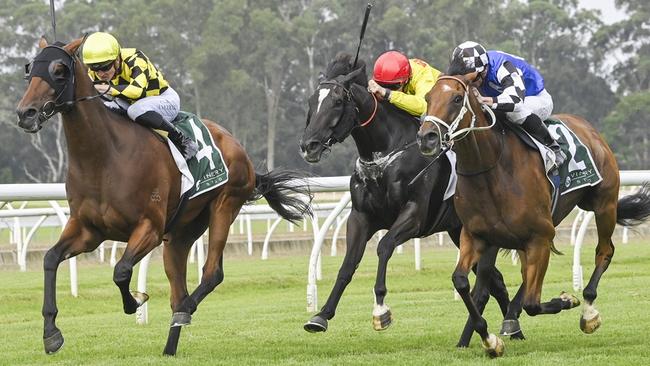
(255, 316)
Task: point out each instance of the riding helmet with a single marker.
(392, 67)
(100, 47)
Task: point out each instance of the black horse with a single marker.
(381, 195)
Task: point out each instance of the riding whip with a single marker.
(363, 31)
(53, 18)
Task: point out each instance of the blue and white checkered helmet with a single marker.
(472, 54)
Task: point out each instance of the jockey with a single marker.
(509, 84)
(403, 82)
(137, 87)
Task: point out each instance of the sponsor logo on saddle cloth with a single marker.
(578, 170)
(206, 170)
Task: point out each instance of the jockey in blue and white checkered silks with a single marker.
(509, 84)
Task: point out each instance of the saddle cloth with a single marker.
(578, 170)
(206, 170)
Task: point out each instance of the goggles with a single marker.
(101, 67)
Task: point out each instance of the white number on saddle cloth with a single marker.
(205, 149)
(556, 130)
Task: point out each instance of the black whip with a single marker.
(53, 18)
(363, 31)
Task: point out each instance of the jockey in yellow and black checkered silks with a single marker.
(135, 77)
(136, 85)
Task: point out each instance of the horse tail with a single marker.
(286, 191)
(634, 209)
(555, 250)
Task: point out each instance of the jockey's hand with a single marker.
(376, 89)
(481, 99)
(102, 88)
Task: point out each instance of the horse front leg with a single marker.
(489, 281)
(358, 233)
(470, 253)
(405, 227)
(74, 240)
(143, 240)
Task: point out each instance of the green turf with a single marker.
(255, 317)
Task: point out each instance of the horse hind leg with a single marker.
(175, 253)
(144, 238)
(222, 214)
(590, 319)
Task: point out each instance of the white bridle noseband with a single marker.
(451, 135)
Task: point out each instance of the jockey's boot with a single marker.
(536, 128)
(185, 145)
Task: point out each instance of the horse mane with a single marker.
(342, 65)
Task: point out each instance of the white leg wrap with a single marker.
(589, 312)
(379, 310)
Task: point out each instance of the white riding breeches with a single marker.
(167, 104)
(540, 104)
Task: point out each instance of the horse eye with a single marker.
(458, 99)
(338, 102)
(59, 71)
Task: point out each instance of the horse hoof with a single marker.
(565, 296)
(494, 346)
(510, 327)
(382, 318)
(316, 324)
(53, 343)
(140, 297)
(590, 326)
(179, 319)
(518, 336)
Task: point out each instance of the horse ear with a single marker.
(73, 46)
(42, 43)
(353, 75)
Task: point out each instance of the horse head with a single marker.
(51, 88)
(333, 112)
(447, 119)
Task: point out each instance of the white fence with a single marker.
(336, 213)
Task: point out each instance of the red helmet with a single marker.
(392, 67)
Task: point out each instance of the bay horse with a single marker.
(381, 195)
(504, 199)
(122, 184)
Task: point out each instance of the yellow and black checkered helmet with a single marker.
(100, 47)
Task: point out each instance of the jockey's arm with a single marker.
(514, 89)
(137, 86)
(415, 103)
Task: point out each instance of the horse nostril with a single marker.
(27, 113)
(430, 136)
(313, 145)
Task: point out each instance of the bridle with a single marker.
(54, 55)
(338, 134)
(452, 135)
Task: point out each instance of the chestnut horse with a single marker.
(122, 184)
(383, 196)
(504, 199)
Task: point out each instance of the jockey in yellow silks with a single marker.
(403, 82)
(137, 86)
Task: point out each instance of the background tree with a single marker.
(252, 65)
